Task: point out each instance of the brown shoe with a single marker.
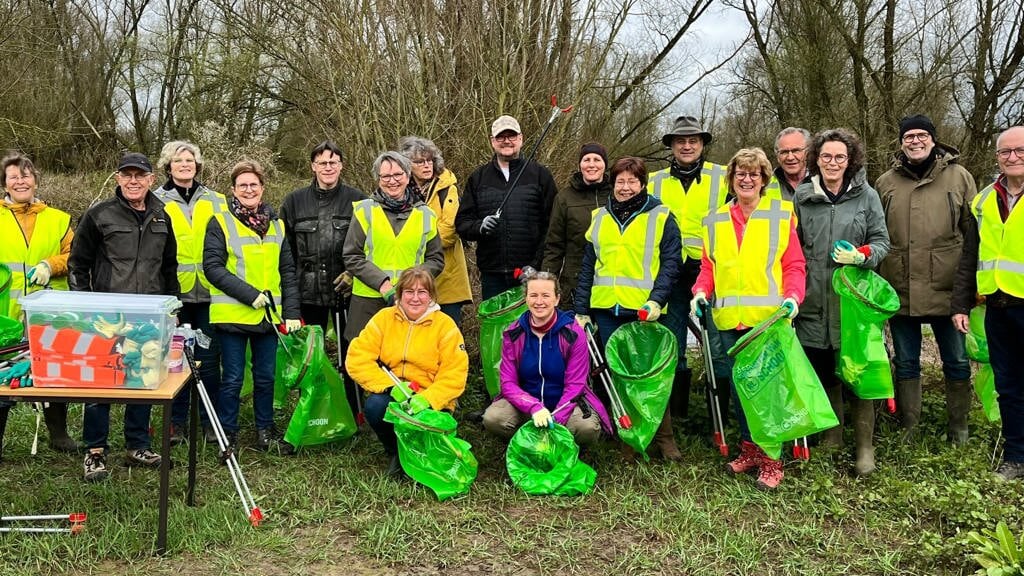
(665, 441)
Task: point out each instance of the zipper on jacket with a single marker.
(540, 368)
(952, 212)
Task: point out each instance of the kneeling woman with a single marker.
(544, 368)
(420, 345)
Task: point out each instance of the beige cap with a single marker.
(504, 123)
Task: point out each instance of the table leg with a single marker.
(165, 476)
(195, 400)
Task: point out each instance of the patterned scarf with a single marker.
(623, 210)
(257, 220)
(397, 206)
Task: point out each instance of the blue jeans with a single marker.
(264, 362)
(906, 339)
(198, 315)
(374, 408)
(728, 339)
(493, 283)
(96, 426)
(454, 311)
(1004, 327)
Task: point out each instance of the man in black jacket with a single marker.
(124, 244)
(316, 220)
(515, 238)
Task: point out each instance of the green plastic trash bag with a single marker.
(778, 389)
(5, 289)
(431, 453)
(11, 331)
(545, 461)
(977, 349)
(642, 358)
(294, 352)
(496, 314)
(322, 413)
(866, 301)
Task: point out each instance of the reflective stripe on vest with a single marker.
(748, 276)
(256, 262)
(189, 224)
(691, 206)
(628, 258)
(50, 228)
(390, 252)
(1001, 246)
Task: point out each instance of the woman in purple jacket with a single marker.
(544, 368)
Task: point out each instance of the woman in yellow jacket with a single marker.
(436, 187)
(35, 241)
(420, 345)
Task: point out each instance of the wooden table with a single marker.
(163, 396)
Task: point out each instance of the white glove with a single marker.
(791, 306)
(292, 325)
(261, 301)
(699, 302)
(583, 320)
(844, 253)
(489, 224)
(40, 274)
(649, 312)
(542, 418)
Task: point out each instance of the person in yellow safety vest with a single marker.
(190, 205)
(692, 188)
(791, 153)
(391, 231)
(630, 263)
(252, 287)
(35, 240)
(992, 265)
(752, 264)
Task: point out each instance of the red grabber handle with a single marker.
(554, 104)
(642, 314)
(255, 517)
(415, 386)
(625, 422)
(890, 405)
(284, 330)
(76, 517)
(723, 448)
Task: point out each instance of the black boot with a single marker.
(4, 411)
(56, 417)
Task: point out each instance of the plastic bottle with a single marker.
(175, 360)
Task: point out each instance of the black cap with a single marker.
(919, 122)
(594, 148)
(134, 160)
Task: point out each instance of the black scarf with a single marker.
(625, 209)
(921, 168)
(257, 220)
(686, 175)
(397, 205)
(185, 193)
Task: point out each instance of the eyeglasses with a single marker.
(629, 183)
(747, 175)
(919, 136)
(1004, 153)
(255, 186)
(423, 161)
(838, 158)
(327, 164)
(392, 177)
(506, 137)
(790, 152)
(138, 177)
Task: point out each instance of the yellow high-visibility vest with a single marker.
(255, 261)
(1001, 250)
(690, 207)
(748, 276)
(189, 224)
(21, 256)
(387, 251)
(628, 259)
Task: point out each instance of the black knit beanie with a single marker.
(919, 122)
(594, 148)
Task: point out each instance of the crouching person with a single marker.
(419, 345)
(544, 368)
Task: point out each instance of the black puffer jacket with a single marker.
(115, 249)
(519, 239)
(316, 222)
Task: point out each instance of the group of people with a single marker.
(618, 244)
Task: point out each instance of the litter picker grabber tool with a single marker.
(76, 519)
(600, 368)
(250, 509)
(801, 450)
(360, 417)
(712, 390)
(555, 113)
(409, 391)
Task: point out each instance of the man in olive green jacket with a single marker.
(927, 197)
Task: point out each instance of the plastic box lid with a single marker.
(69, 301)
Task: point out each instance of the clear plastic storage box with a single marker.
(99, 339)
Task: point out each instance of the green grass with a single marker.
(330, 510)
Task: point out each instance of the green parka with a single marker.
(856, 217)
(570, 217)
(927, 219)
